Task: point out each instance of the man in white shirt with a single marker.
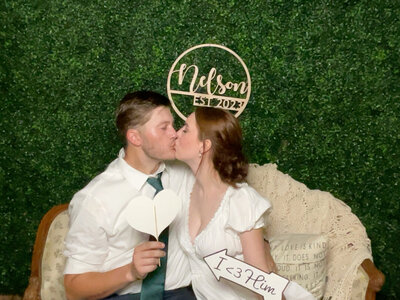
(106, 258)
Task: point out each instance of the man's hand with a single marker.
(97, 285)
(146, 258)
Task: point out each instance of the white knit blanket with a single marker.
(297, 209)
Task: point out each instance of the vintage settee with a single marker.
(315, 239)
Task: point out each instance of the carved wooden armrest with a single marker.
(32, 292)
(376, 279)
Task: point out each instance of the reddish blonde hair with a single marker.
(225, 134)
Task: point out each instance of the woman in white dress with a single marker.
(222, 211)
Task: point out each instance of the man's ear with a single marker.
(133, 137)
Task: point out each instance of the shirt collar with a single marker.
(135, 177)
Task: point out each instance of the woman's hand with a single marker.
(270, 260)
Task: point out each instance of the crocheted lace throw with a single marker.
(297, 209)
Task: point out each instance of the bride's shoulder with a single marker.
(243, 192)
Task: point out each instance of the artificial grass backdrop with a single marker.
(324, 105)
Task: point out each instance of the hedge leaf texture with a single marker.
(324, 103)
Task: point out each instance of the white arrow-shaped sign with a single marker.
(269, 285)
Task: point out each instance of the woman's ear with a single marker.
(206, 145)
(133, 137)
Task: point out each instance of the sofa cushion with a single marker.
(302, 258)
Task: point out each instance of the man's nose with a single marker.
(174, 135)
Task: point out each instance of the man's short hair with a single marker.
(135, 108)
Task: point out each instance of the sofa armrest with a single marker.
(32, 292)
(376, 279)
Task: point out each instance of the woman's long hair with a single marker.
(225, 134)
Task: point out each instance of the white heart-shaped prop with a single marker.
(152, 216)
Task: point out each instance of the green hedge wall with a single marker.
(324, 105)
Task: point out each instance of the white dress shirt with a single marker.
(100, 239)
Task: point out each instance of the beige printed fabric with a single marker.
(53, 260)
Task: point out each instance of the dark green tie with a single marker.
(153, 284)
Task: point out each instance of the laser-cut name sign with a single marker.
(207, 87)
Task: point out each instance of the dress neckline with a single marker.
(217, 213)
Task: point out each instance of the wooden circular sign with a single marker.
(222, 81)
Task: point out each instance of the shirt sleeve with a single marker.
(86, 245)
(246, 209)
